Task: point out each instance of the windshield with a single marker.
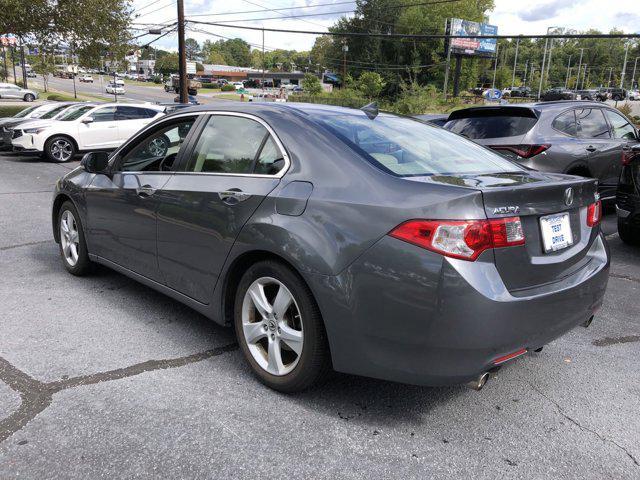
(405, 147)
(75, 114)
(52, 113)
(25, 112)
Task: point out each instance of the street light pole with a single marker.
(544, 59)
(182, 55)
(579, 69)
(515, 62)
(566, 81)
(624, 65)
(495, 66)
(610, 73)
(633, 77)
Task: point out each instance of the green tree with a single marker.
(370, 84)
(45, 66)
(311, 84)
(167, 64)
(192, 49)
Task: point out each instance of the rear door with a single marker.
(236, 161)
(624, 134)
(602, 152)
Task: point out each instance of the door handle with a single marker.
(233, 196)
(591, 148)
(145, 191)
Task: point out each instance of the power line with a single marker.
(170, 4)
(435, 36)
(272, 9)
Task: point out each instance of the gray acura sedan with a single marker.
(328, 237)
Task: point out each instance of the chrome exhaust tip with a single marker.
(588, 322)
(479, 382)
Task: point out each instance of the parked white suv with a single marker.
(9, 90)
(102, 126)
(634, 94)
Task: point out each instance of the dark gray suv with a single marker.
(574, 137)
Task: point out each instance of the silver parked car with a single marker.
(9, 90)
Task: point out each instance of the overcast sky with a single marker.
(511, 17)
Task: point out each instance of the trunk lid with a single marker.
(531, 196)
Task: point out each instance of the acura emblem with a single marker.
(568, 196)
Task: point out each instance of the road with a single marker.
(101, 377)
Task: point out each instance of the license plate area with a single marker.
(556, 232)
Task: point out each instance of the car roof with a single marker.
(537, 106)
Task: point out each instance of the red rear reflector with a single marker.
(509, 356)
(464, 239)
(524, 151)
(594, 214)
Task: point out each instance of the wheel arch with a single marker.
(579, 169)
(55, 211)
(73, 140)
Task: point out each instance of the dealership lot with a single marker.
(103, 377)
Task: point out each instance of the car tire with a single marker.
(616, 98)
(73, 247)
(628, 234)
(29, 97)
(59, 149)
(286, 345)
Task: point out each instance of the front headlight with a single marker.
(35, 130)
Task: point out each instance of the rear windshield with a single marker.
(405, 147)
(52, 113)
(74, 114)
(492, 125)
(25, 112)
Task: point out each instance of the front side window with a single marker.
(405, 147)
(566, 123)
(230, 144)
(591, 123)
(620, 126)
(106, 114)
(158, 151)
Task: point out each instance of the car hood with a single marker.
(37, 124)
(14, 123)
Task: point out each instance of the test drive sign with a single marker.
(8, 40)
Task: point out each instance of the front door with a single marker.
(235, 163)
(122, 207)
(99, 130)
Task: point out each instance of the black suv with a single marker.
(558, 93)
(575, 137)
(616, 94)
(628, 197)
(520, 92)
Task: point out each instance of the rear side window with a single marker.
(134, 113)
(620, 126)
(591, 123)
(230, 144)
(106, 114)
(492, 124)
(405, 147)
(566, 123)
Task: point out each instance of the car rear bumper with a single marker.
(404, 314)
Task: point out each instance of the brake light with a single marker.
(594, 214)
(524, 151)
(464, 239)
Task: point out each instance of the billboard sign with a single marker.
(472, 46)
(191, 68)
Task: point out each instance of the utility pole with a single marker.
(182, 55)
(447, 43)
(544, 59)
(566, 81)
(526, 67)
(6, 69)
(624, 65)
(495, 66)
(262, 58)
(345, 49)
(579, 68)
(24, 68)
(585, 77)
(13, 62)
(515, 62)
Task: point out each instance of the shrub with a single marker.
(228, 88)
(60, 97)
(311, 84)
(209, 85)
(625, 109)
(370, 84)
(10, 110)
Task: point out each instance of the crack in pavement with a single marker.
(36, 396)
(27, 244)
(624, 277)
(582, 427)
(608, 341)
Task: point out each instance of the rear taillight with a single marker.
(524, 151)
(464, 239)
(594, 214)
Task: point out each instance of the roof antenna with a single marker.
(370, 110)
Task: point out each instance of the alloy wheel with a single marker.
(69, 237)
(272, 326)
(61, 150)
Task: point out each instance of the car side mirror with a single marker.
(95, 162)
(87, 120)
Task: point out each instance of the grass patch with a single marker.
(231, 96)
(11, 110)
(208, 90)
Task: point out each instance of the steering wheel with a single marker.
(166, 164)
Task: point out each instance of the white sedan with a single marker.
(634, 94)
(238, 85)
(102, 126)
(116, 89)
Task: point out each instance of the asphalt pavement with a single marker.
(101, 377)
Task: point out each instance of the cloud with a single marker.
(546, 11)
